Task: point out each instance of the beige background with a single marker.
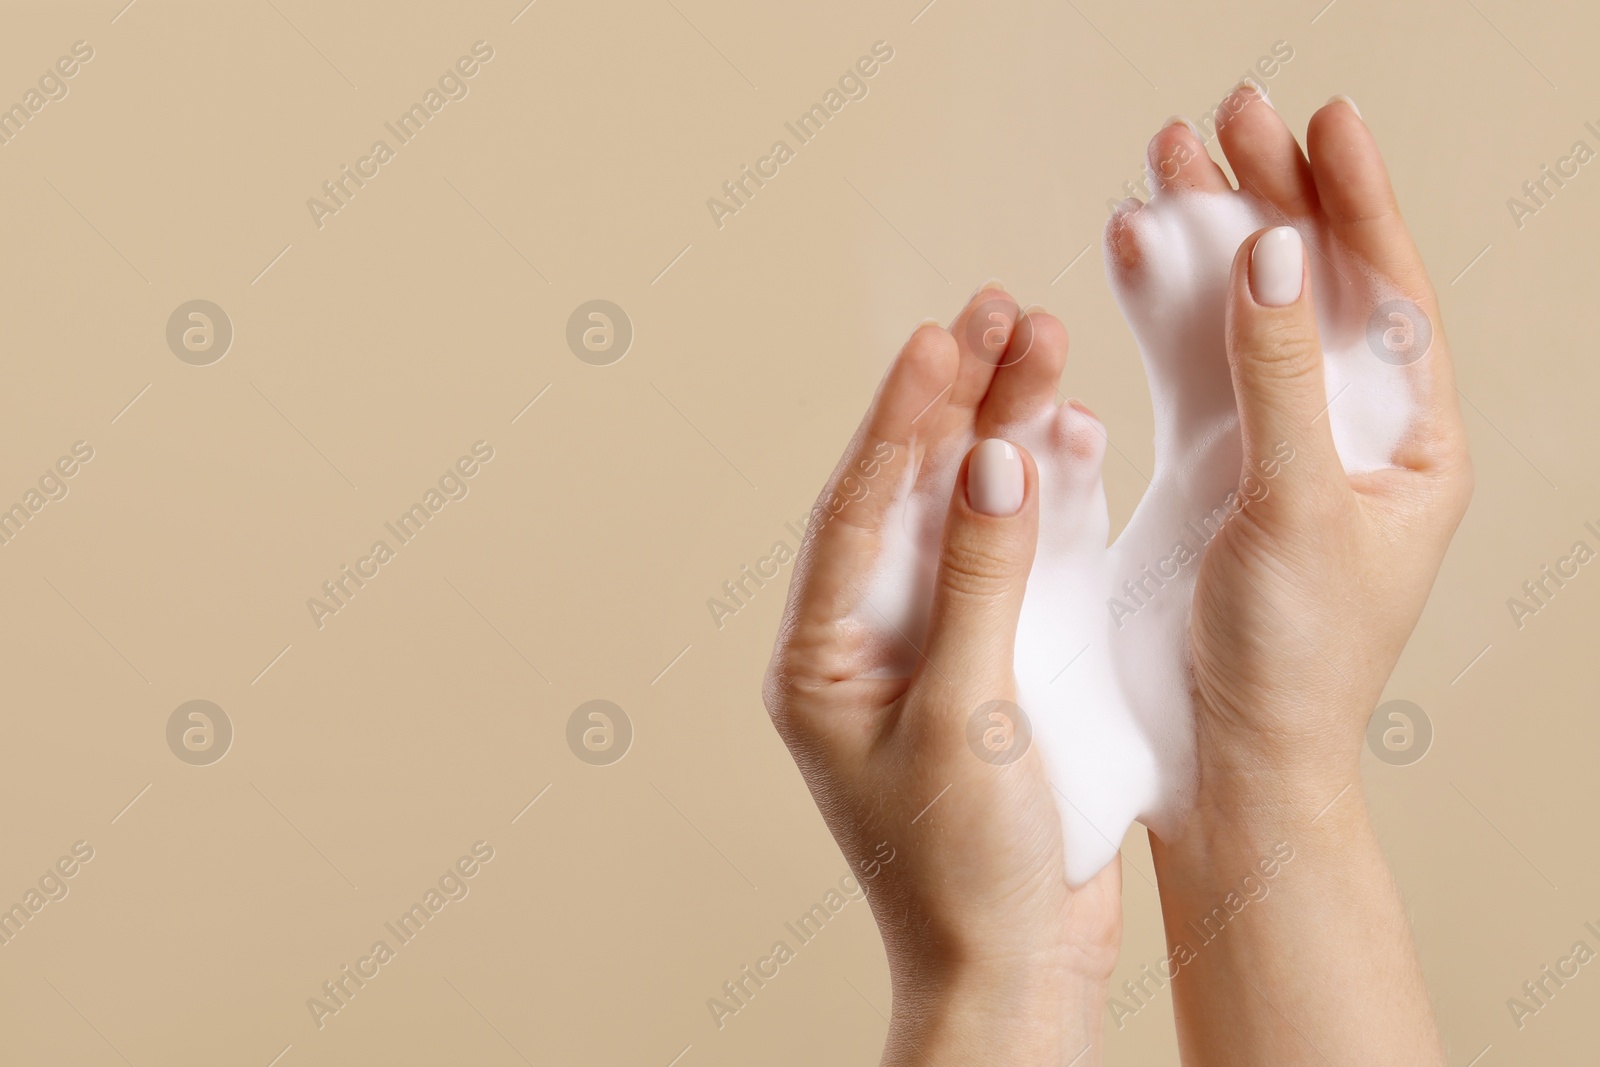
(427, 714)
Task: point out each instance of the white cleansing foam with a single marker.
(1102, 652)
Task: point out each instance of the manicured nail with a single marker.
(992, 283)
(995, 482)
(1251, 85)
(1340, 98)
(1276, 265)
(1180, 120)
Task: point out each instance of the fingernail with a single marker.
(1180, 120)
(1251, 85)
(1340, 98)
(1276, 265)
(992, 283)
(995, 482)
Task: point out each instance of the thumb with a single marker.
(1276, 358)
(989, 537)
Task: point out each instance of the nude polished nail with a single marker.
(995, 479)
(1276, 266)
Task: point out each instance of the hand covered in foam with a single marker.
(1350, 458)
(944, 812)
(1310, 466)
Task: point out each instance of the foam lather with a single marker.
(1102, 653)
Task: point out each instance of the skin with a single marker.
(1302, 607)
(1301, 610)
(989, 948)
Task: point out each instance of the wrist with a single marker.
(1250, 825)
(1027, 1014)
(1272, 769)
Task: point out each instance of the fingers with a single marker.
(1025, 382)
(1177, 158)
(1264, 154)
(982, 331)
(989, 538)
(1363, 214)
(910, 403)
(845, 531)
(992, 361)
(1276, 360)
(1354, 190)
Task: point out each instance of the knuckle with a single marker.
(786, 685)
(1284, 346)
(800, 690)
(1458, 483)
(1452, 475)
(777, 690)
(975, 567)
(784, 693)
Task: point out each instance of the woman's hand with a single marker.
(1303, 603)
(992, 956)
(1306, 598)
